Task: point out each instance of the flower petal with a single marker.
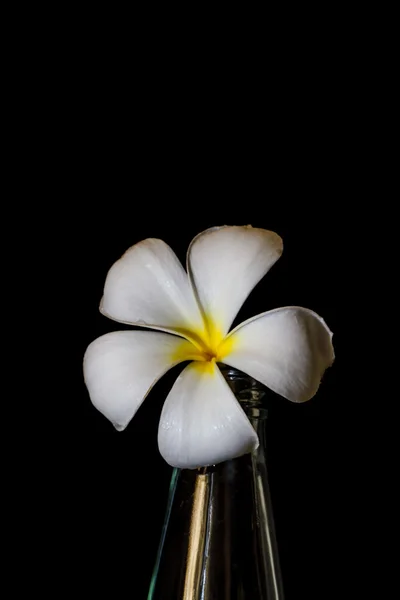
(121, 367)
(287, 349)
(202, 423)
(149, 287)
(225, 263)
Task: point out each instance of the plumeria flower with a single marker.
(202, 423)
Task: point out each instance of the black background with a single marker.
(163, 154)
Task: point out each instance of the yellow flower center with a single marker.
(207, 345)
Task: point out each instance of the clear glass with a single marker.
(218, 540)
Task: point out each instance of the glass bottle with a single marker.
(218, 540)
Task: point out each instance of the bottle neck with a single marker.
(218, 538)
(252, 397)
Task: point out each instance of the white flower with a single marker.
(202, 423)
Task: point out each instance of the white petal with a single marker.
(287, 349)
(225, 263)
(202, 423)
(121, 367)
(148, 286)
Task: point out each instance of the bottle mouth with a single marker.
(248, 391)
